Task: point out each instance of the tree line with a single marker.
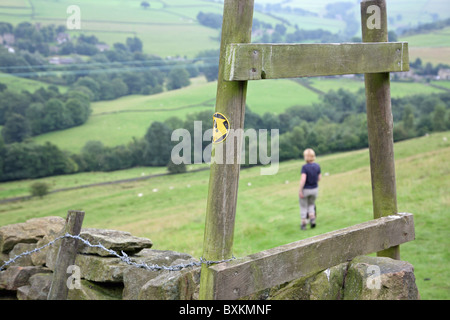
(427, 27)
(128, 71)
(50, 39)
(25, 114)
(338, 123)
(427, 69)
(120, 70)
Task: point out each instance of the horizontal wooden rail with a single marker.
(274, 61)
(242, 277)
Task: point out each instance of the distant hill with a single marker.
(171, 28)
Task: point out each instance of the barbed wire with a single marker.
(124, 257)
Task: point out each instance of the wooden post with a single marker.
(66, 256)
(380, 120)
(223, 181)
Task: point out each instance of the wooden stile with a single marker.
(241, 61)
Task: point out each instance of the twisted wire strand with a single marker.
(124, 257)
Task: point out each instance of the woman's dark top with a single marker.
(312, 171)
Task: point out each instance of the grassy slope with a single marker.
(113, 126)
(267, 211)
(157, 214)
(170, 28)
(115, 20)
(20, 84)
(110, 124)
(431, 47)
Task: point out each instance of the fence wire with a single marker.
(123, 257)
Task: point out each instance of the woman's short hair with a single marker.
(309, 155)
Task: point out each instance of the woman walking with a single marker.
(309, 187)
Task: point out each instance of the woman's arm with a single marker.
(302, 184)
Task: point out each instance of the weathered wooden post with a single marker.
(380, 120)
(66, 256)
(224, 177)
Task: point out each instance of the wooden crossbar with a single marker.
(265, 269)
(273, 61)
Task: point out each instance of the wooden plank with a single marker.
(380, 122)
(224, 175)
(66, 256)
(242, 277)
(274, 61)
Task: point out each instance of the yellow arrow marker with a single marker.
(221, 128)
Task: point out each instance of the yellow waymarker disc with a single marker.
(221, 127)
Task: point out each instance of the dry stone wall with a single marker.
(105, 277)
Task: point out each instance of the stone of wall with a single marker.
(105, 277)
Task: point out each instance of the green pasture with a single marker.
(277, 95)
(442, 84)
(432, 55)
(431, 47)
(112, 129)
(170, 28)
(398, 89)
(311, 22)
(18, 84)
(433, 39)
(400, 12)
(166, 28)
(21, 188)
(118, 121)
(171, 209)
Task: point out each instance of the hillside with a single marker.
(431, 47)
(170, 28)
(117, 122)
(171, 209)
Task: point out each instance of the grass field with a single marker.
(19, 84)
(117, 122)
(431, 47)
(169, 28)
(167, 24)
(267, 210)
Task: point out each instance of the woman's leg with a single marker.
(303, 211)
(312, 196)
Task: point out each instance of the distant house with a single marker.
(444, 74)
(406, 75)
(102, 47)
(54, 49)
(62, 38)
(7, 39)
(61, 60)
(7, 43)
(257, 33)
